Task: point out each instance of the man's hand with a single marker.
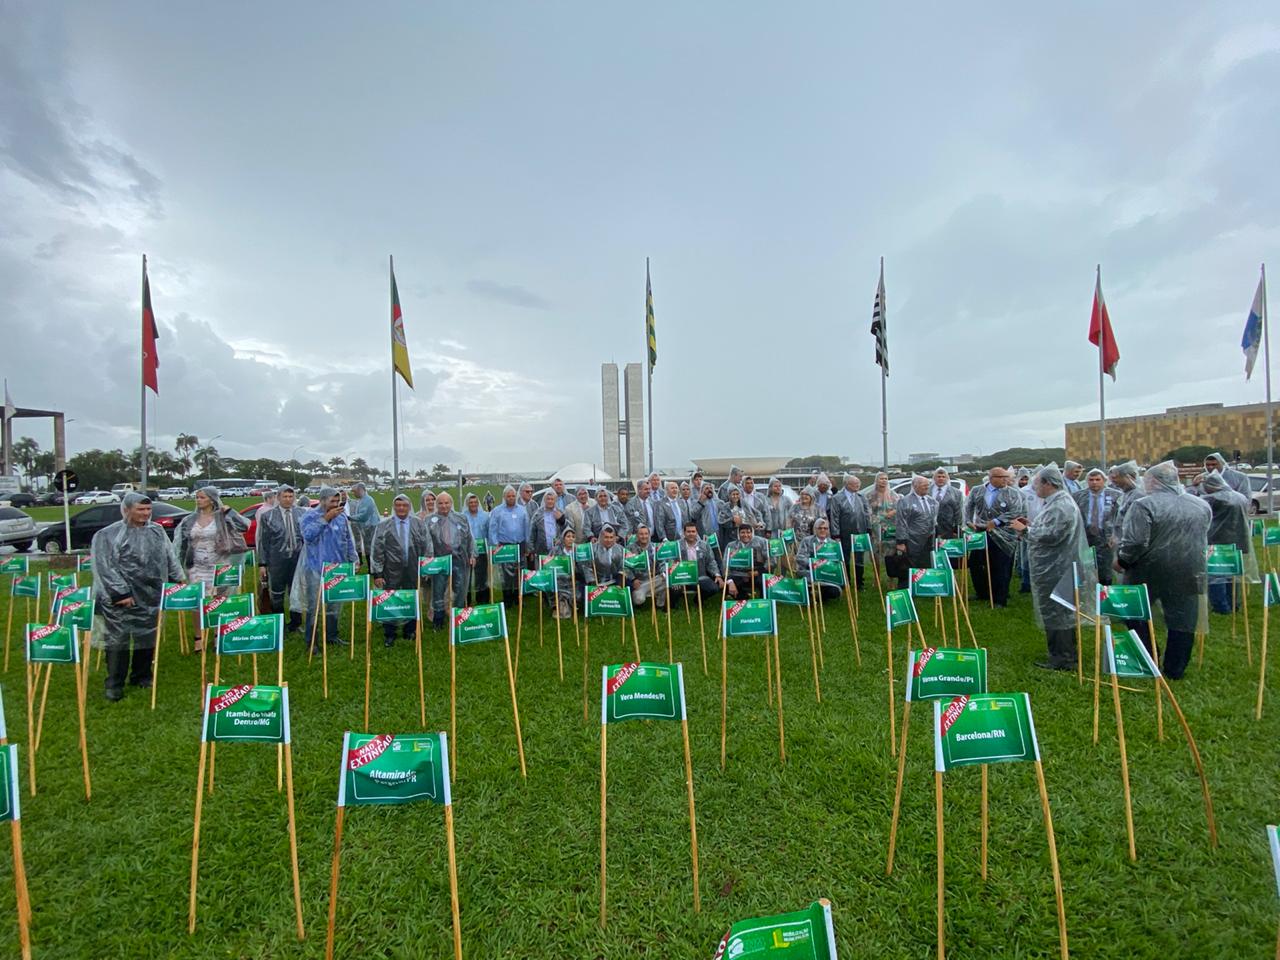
(262, 574)
(126, 602)
(733, 588)
(902, 548)
(991, 525)
(1017, 525)
(331, 513)
(472, 562)
(719, 581)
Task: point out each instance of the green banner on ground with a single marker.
(52, 643)
(899, 609)
(1127, 655)
(683, 574)
(931, 581)
(861, 543)
(261, 634)
(984, 728)
(802, 935)
(10, 794)
(488, 621)
(431, 566)
(790, 590)
(346, 588)
(641, 691)
(232, 605)
(385, 768)
(25, 586)
(1124, 601)
(1224, 560)
(182, 596)
(338, 570)
(749, 618)
(668, 550)
(14, 564)
(975, 540)
(505, 553)
(830, 572)
(75, 609)
(538, 581)
(246, 713)
(226, 575)
(608, 601)
(388, 606)
(945, 672)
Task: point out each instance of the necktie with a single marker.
(1094, 510)
(404, 538)
(714, 524)
(444, 532)
(290, 537)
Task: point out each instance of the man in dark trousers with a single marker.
(397, 543)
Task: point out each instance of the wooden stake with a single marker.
(942, 847)
(333, 881)
(701, 632)
(634, 636)
(155, 657)
(813, 656)
(20, 889)
(724, 696)
(1124, 768)
(1195, 755)
(555, 598)
(84, 747)
(1053, 861)
(293, 838)
(31, 737)
(604, 761)
(693, 817)
(991, 596)
(671, 657)
(195, 838)
(897, 792)
(983, 852)
(1075, 586)
(453, 882)
(8, 630)
(368, 669)
(351, 647)
(1155, 655)
(888, 642)
(453, 710)
(44, 699)
(1262, 662)
(586, 649)
(768, 672)
(777, 668)
(515, 709)
(1097, 672)
(1244, 607)
(853, 619)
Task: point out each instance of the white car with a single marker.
(1259, 501)
(96, 496)
(17, 529)
(174, 493)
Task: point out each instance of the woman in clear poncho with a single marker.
(777, 509)
(210, 535)
(805, 514)
(1053, 541)
(132, 559)
(1229, 524)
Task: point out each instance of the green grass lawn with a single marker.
(110, 878)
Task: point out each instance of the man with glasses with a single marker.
(991, 507)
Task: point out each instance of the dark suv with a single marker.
(53, 539)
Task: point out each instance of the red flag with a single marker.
(150, 334)
(1100, 328)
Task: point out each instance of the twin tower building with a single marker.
(623, 458)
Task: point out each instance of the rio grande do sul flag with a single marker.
(802, 935)
(384, 769)
(399, 345)
(641, 691)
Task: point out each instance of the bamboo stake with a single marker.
(333, 881)
(853, 619)
(422, 689)
(324, 650)
(1075, 587)
(991, 596)
(293, 838)
(670, 646)
(937, 805)
(1124, 767)
(634, 636)
(453, 882)
(782, 738)
(897, 792)
(20, 888)
(888, 642)
(1053, 861)
(44, 699)
(768, 671)
(813, 655)
(1195, 755)
(1262, 663)
(604, 760)
(84, 746)
(1244, 605)
(182, 634)
(368, 668)
(586, 649)
(8, 629)
(351, 647)
(515, 709)
(319, 608)
(453, 708)
(983, 854)
(701, 632)
(724, 694)
(1097, 672)
(155, 657)
(31, 754)
(1155, 655)
(693, 816)
(195, 839)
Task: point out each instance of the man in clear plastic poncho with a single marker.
(914, 529)
(1097, 505)
(450, 533)
(362, 513)
(1163, 545)
(132, 559)
(326, 538)
(992, 506)
(1237, 481)
(1229, 524)
(1054, 540)
(1124, 477)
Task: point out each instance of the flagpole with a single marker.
(884, 380)
(648, 292)
(395, 412)
(7, 426)
(1102, 366)
(142, 384)
(1266, 360)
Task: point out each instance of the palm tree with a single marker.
(209, 454)
(184, 444)
(25, 452)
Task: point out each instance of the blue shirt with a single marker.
(326, 542)
(509, 524)
(479, 524)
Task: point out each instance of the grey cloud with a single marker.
(511, 294)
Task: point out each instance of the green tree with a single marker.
(184, 445)
(1192, 453)
(99, 469)
(24, 454)
(441, 471)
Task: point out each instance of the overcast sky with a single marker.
(521, 161)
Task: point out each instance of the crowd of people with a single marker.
(1047, 523)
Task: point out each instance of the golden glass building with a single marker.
(1147, 438)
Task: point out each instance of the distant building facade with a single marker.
(1149, 437)
(623, 458)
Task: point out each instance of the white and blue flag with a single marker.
(1253, 329)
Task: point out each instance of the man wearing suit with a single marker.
(849, 514)
(397, 543)
(450, 533)
(603, 514)
(991, 507)
(742, 581)
(808, 550)
(671, 514)
(643, 509)
(694, 548)
(950, 505)
(706, 511)
(1097, 503)
(547, 526)
(645, 583)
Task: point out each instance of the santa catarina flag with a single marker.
(386, 768)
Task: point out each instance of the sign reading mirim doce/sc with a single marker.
(261, 634)
(246, 713)
(385, 768)
(641, 691)
(940, 672)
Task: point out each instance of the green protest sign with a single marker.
(226, 575)
(668, 550)
(15, 564)
(10, 802)
(1124, 601)
(481, 546)
(940, 559)
(749, 618)
(1256, 528)
(608, 601)
(345, 588)
(232, 605)
(953, 548)
(1271, 589)
(389, 606)
(631, 541)
(899, 609)
(1273, 841)
(788, 536)
(337, 570)
(1127, 656)
(642, 691)
(394, 768)
(983, 728)
(75, 609)
(52, 643)
(861, 543)
(946, 672)
(1271, 536)
(713, 541)
(182, 596)
(505, 553)
(830, 572)
(636, 562)
(777, 547)
(538, 581)
(246, 713)
(975, 540)
(559, 563)
(683, 574)
(84, 563)
(1223, 560)
(829, 550)
(60, 581)
(931, 581)
(890, 533)
(739, 559)
(247, 559)
(791, 590)
(487, 621)
(582, 553)
(261, 634)
(60, 595)
(23, 586)
(430, 566)
(802, 935)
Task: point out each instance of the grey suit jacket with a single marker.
(387, 558)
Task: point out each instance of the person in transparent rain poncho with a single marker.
(1229, 524)
(917, 519)
(1163, 545)
(1054, 541)
(326, 538)
(132, 559)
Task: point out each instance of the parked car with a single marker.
(17, 529)
(19, 499)
(96, 496)
(1259, 501)
(250, 513)
(120, 489)
(50, 498)
(174, 493)
(52, 539)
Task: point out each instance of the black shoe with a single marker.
(388, 642)
(1050, 665)
(294, 624)
(337, 642)
(113, 694)
(437, 620)
(144, 683)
